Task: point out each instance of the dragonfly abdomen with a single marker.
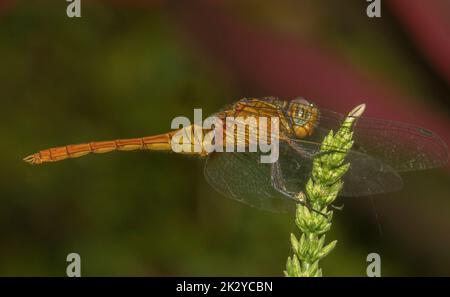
(157, 143)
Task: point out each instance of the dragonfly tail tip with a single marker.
(32, 159)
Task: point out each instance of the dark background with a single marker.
(127, 68)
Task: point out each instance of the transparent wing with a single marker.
(241, 176)
(366, 175)
(404, 147)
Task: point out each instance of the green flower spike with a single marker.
(313, 217)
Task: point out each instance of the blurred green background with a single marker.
(126, 70)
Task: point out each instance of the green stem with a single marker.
(313, 216)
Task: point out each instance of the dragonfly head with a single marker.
(304, 115)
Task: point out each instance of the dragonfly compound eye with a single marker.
(304, 117)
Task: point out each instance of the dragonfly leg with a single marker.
(278, 182)
(332, 151)
(279, 185)
(307, 204)
(298, 149)
(303, 152)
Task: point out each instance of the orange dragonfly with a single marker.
(381, 150)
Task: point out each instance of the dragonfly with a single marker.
(382, 149)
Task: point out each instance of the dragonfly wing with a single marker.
(366, 175)
(241, 176)
(404, 147)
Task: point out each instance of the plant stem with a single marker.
(313, 216)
